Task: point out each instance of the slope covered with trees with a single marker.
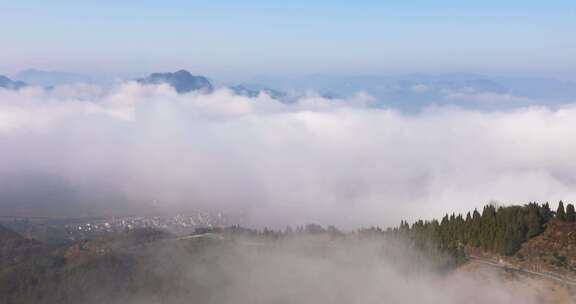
(499, 230)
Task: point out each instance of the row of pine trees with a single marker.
(500, 230)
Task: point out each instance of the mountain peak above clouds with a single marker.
(182, 81)
(253, 90)
(8, 83)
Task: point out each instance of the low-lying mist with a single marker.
(130, 148)
(293, 270)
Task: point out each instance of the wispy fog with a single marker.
(313, 270)
(332, 161)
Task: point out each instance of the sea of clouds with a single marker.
(331, 161)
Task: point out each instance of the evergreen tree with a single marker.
(570, 214)
(546, 212)
(533, 222)
(560, 213)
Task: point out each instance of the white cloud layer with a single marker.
(324, 160)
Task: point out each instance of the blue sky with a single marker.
(240, 38)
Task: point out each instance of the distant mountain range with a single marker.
(415, 91)
(51, 78)
(183, 82)
(405, 92)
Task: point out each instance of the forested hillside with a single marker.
(497, 230)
